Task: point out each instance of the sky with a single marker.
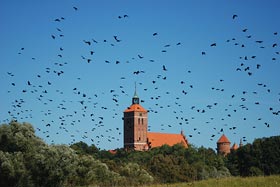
(69, 68)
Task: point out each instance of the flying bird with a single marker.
(116, 38)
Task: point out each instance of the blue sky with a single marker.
(206, 90)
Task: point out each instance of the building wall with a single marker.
(135, 130)
(223, 148)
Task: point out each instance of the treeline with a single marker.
(262, 157)
(25, 160)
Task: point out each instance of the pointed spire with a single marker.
(240, 144)
(135, 99)
(182, 132)
(135, 91)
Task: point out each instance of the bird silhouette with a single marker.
(116, 38)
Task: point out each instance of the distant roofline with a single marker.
(165, 133)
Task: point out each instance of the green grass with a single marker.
(269, 181)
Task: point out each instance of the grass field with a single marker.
(269, 181)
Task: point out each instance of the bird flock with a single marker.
(54, 94)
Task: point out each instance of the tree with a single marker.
(135, 175)
(19, 137)
(13, 171)
(83, 148)
(52, 165)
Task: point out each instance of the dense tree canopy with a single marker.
(26, 160)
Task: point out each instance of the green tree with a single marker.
(83, 148)
(13, 171)
(16, 137)
(135, 175)
(52, 165)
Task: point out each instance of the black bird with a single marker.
(116, 38)
(75, 8)
(164, 68)
(87, 42)
(234, 16)
(140, 56)
(213, 45)
(155, 34)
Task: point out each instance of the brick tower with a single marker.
(135, 122)
(223, 145)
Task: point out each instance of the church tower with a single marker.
(135, 123)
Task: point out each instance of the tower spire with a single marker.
(135, 90)
(135, 99)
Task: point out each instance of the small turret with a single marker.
(223, 145)
(234, 147)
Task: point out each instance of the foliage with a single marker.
(25, 160)
(135, 174)
(262, 157)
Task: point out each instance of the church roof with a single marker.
(156, 139)
(223, 139)
(135, 108)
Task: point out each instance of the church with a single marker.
(136, 135)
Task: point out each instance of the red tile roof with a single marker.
(223, 139)
(113, 152)
(156, 139)
(135, 108)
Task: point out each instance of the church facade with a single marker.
(136, 135)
